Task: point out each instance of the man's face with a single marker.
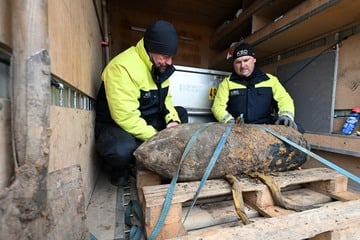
(161, 61)
(244, 66)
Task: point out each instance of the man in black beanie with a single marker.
(133, 102)
(251, 94)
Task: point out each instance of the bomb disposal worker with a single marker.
(252, 94)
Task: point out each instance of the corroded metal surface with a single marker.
(247, 149)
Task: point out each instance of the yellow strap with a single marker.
(237, 196)
(276, 193)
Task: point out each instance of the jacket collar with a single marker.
(140, 49)
(256, 77)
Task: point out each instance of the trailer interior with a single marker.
(52, 53)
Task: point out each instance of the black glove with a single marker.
(284, 120)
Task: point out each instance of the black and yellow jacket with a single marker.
(253, 97)
(136, 95)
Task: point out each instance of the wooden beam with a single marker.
(334, 143)
(304, 23)
(302, 225)
(154, 195)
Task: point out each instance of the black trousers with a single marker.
(115, 146)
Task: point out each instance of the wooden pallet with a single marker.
(336, 211)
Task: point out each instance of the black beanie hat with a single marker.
(161, 37)
(244, 49)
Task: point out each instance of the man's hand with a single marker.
(284, 120)
(172, 124)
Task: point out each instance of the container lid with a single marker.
(356, 109)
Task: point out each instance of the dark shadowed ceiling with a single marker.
(206, 12)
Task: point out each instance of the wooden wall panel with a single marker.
(348, 82)
(75, 50)
(193, 53)
(5, 22)
(72, 142)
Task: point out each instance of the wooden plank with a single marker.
(71, 142)
(301, 197)
(272, 12)
(145, 177)
(255, 194)
(154, 195)
(351, 231)
(305, 197)
(303, 225)
(193, 52)
(321, 22)
(172, 223)
(210, 214)
(75, 50)
(259, 22)
(282, 34)
(347, 85)
(66, 204)
(346, 162)
(335, 143)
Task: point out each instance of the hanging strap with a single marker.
(210, 166)
(133, 210)
(170, 191)
(92, 236)
(236, 191)
(315, 156)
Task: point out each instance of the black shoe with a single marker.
(120, 177)
(120, 181)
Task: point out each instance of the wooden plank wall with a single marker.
(5, 23)
(75, 50)
(72, 143)
(77, 59)
(193, 53)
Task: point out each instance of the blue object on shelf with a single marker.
(351, 121)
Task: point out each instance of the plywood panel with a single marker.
(348, 82)
(72, 142)
(194, 53)
(5, 22)
(75, 50)
(6, 159)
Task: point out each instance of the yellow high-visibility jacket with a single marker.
(134, 97)
(252, 98)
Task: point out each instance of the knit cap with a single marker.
(244, 49)
(161, 37)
